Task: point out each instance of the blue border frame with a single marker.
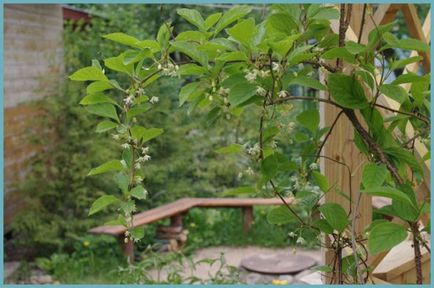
(2, 2)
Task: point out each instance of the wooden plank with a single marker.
(247, 218)
(239, 202)
(415, 30)
(150, 216)
(180, 206)
(399, 260)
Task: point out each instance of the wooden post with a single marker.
(127, 249)
(247, 218)
(176, 220)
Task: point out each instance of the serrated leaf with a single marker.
(244, 32)
(384, 236)
(113, 165)
(105, 125)
(321, 180)
(231, 16)
(335, 215)
(309, 119)
(347, 91)
(139, 192)
(90, 73)
(374, 175)
(280, 215)
(394, 92)
(192, 16)
(101, 203)
(388, 192)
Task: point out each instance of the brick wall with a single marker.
(33, 69)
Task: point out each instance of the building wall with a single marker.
(33, 69)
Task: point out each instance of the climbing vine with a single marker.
(233, 65)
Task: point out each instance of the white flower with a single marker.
(125, 145)
(154, 99)
(210, 98)
(159, 66)
(138, 179)
(282, 94)
(277, 67)
(144, 158)
(254, 150)
(140, 91)
(223, 91)
(129, 100)
(274, 144)
(145, 150)
(301, 241)
(124, 164)
(240, 175)
(263, 73)
(291, 127)
(251, 76)
(137, 165)
(313, 166)
(261, 91)
(115, 136)
(249, 171)
(291, 234)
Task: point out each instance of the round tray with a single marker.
(279, 263)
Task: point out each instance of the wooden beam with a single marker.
(416, 31)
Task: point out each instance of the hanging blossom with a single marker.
(169, 69)
(282, 94)
(154, 100)
(261, 91)
(313, 166)
(255, 150)
(129, 99)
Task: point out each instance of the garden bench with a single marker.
(177, 209)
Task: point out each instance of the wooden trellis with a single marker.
(397, 265)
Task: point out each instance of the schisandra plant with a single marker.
(232, 66)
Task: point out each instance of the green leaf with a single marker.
(411, 44)
(282, 47)
(103, 110)
(239, 191)
(139, 192)
(192, 69)
(113, 165)
(101, 203)
(191, 51)
(280, 215)
(244, 32)
(233, 56)
(97, 98)
(98, 86)
(281, 23)
(388, 192)
(325, 13)
(309, 119)
(193, 17)
(335, 215)
(122, 181)
(241, 93)
(189, 92)
(90, 73)
(307, 82)
(405, 156)
(323, 225)
(354, 48)
(394, 92)
(347, 91)
(152, 45)
(163, 35)
(338, 52)
(321, 180)
(233, 148)
(212, 19)
(117, 64)
(122, 38)
(138, 233)
(374, 175)
(404, 62)
(384, 236)
(231, 16)
(151, 133)
(105, 125)
(409, 78)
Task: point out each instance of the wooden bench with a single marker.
(177, 209)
